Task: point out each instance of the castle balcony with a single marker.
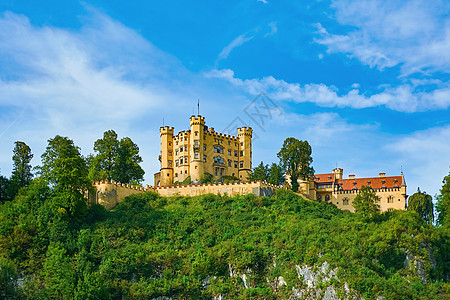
(219, 164)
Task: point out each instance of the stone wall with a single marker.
(110, 193)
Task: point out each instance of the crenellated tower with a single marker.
(245, 152)
(166, 156)
(196, 164)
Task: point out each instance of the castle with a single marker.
(190, 154)
(201, 150)
(333, 188)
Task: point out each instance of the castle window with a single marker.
(229, 162)
(242, 144)
(176, 152)
(390, 199)
(185, 172)
(229, 143)
(196, 133)
(196, 142)
(176, 174)
(177, 163)
(327, 197)
(185, 159)
(241, 164)
(170, 143)
(235, 164)
(229, 152)
(196, 155)
(345, 201)
(170, 152)
(204, 158)
(218, 149)
(181, 160)
(185, 138)
(177, 143)
(170, 163)
(181, 149)
(242, 153)
(218, 160)
(235, 153)
(215, 171)
(204, 147)
(319, 197)
(235, 144)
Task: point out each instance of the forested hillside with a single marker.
(210, 246)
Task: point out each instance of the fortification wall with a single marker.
(258, 188)
(110, 193)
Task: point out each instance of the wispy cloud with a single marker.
(263, 1)
(383, 34)
(406, 98)
(240, 40)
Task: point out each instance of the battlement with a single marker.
(197, 120)
(245, 131)
(166, 130)
(123, 185)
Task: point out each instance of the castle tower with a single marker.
(196, 150)
(338, 173)
(166, 157)
(245, 149)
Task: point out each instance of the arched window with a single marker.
(345, 201)
(319, 198)
(390, 199)
(327, 197)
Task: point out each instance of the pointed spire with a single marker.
(403, 180)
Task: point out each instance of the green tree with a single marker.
(295, 159)
(4, 189)
(58, 273)
(422, 203)
(260, 172)
(275, 174)
(22, 156)
(206, 178)
(116, 160)
(66, 171)
(8, 279)
(443, 203)
(366, 202)
(127, 166)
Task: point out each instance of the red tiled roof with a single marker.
(319, 178)
(375, 182)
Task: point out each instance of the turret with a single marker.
(196, 165)
(167, 155)
(338, 173)
(245, 152)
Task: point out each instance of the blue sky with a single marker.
(365, 82)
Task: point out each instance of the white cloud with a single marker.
(425, 156)
(263, 1)
(412, 34)
(240, 40)
(401, 98)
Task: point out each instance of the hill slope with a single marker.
(215, 246)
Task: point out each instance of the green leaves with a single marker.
(422, 203)
(366, 203)
(295, 158)
(443, 203)
(116, 160)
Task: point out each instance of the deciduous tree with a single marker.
(443, 203)
(295, 159)
(22, 156)
(422, 203)
(366, 202)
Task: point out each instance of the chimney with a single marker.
(351, 176)
(382, 175)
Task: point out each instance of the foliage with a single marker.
(206, 178)
(185, 247)
(229, 178)
(295, 159)
(116, 160)
(22, 156)
(66, 170)
(260, 172)
(273, 174)
(366, 203)
(4, 189)
(422, 203)
(443, 203)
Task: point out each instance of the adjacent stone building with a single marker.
(333, 188)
